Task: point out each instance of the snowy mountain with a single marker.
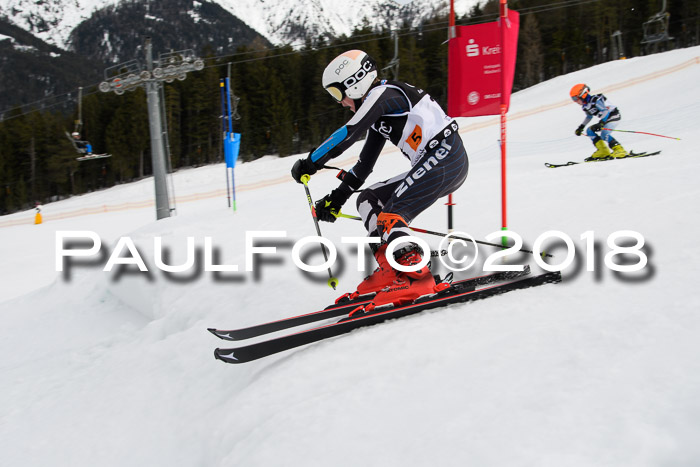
(33, 69)
(116, 33)
(279, 21)
(51, 20)
(292, 22)
(115, 369)
(417, 12)
(286, 23)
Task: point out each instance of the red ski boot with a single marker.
(382, 277)
(386, 276)
(410, 256)
(403, 291)
(409, 285)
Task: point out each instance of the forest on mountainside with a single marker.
(283, 109)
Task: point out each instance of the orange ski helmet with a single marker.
(579, 93)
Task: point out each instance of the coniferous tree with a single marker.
(435, 56)
(279, 118)
(128, 136)
(252, 85)
(173, 117)
(530, 61)
(412, 62)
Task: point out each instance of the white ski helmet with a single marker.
(75, 134)
(350, 74)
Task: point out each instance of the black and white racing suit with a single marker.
(417, 125)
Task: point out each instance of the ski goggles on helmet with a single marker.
(336, 91)
(579, 93)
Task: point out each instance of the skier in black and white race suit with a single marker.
(417, 125)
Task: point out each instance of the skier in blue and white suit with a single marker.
(598, 106)
(418, 126)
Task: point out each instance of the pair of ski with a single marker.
(92, 156)
(631, 155)
(458, 292)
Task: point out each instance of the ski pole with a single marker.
(332, 281)
(641, 133)
(440, 234)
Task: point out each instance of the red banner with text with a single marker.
(474, 71)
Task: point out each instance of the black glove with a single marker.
(303, 167)
(332, 202)
(579, 130)
(597, 127)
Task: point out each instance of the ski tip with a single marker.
(225, 335)
(554, 166)
(219, 355)
(226, 355)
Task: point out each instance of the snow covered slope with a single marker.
(601, 370)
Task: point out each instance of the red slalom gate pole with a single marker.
(504, 220)
(449, 203)
(452, 33)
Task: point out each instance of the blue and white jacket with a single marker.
(598, 106)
